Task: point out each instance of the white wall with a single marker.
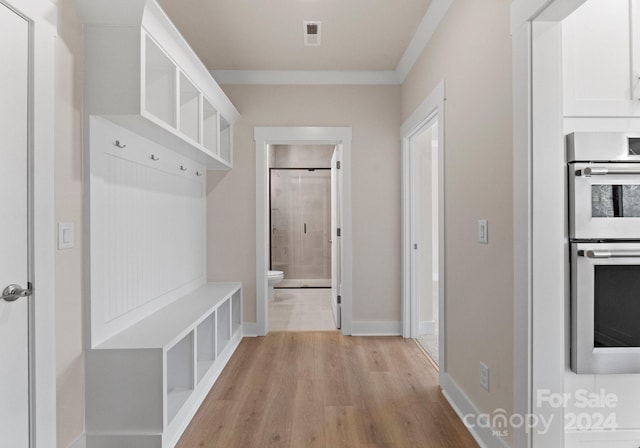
(69, 208)
(374, 114)
(472, 50)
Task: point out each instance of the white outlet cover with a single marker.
(65, 235)
(483, 231)
(484, 376)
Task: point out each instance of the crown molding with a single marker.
(427, 27)
(289, 77)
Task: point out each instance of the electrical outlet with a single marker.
(484, 376)
(483, 231)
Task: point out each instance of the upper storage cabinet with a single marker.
(601, 52)
(141, 73)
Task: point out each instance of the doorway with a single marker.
(424, 216)
(300, 194)
(423, 229)
(340, 139)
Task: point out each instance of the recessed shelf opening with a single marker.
(189, 109)
(160, 81)
(179, 375)
(206, 333)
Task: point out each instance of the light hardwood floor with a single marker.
(322, 389)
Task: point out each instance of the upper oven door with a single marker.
(604, 200)
(605, 307)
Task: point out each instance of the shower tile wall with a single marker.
(301, 215)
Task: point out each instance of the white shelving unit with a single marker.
(142, 74)
(157, 335)
(145, 383)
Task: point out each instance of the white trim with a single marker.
(265, 136)
(578, 439)
(364, 328)
(249, 329)
(43, 15)
(425, 31)
(432, 107)
(428, 26)
(301, 77)
(463, 406)
(427, 327)
(81, 442)
(531, 335)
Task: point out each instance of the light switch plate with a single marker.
(65, 235)
(483, 231)
(484, 376)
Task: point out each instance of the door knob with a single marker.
(14, 292)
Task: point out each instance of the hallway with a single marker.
(323, 389)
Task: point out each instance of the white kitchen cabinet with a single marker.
(142, 74)
(601, 59)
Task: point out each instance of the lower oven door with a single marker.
(605, 307)
(604, 200)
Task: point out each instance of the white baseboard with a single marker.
(620, 438)
(250, 329)
(364, 328)
(81, 442)
(427, 327)
(463, 406)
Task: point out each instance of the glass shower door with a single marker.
(300, 226)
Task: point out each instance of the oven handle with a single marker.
(602, 171)
(609, 253)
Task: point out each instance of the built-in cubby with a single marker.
(206, 352)
(157, 335)
(210, 127)
(159, 83)
(180, 382)
(189, 109)
(142, 74)
(224, 326)
(145, 383)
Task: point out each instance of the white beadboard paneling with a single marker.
(147, 229)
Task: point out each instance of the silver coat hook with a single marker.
(154, 157)
(182, 168)
(198, 173)
(119, 145)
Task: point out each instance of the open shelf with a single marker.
(206, 353)
(224, 326)
(160, 82)
(225, 139)
(189, 109)
(209, 126)
(179, 374)
(236, 312)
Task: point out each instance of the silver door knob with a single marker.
(14, 292)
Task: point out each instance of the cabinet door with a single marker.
(600, 68)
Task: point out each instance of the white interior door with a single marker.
(14, 228)
(336, 249)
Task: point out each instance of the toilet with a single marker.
(273, 278)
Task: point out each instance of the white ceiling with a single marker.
(267, 34)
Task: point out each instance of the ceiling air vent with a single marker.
(311, 34)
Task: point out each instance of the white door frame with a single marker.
(431, 109)
(539, 355)
(41, 14)
(264, 137)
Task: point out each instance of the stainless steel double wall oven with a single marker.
(604, 230)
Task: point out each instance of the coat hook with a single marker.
(119, 145)
(198, 173)
(154, 157)
(182, 168)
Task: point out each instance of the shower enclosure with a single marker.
(301, 227)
